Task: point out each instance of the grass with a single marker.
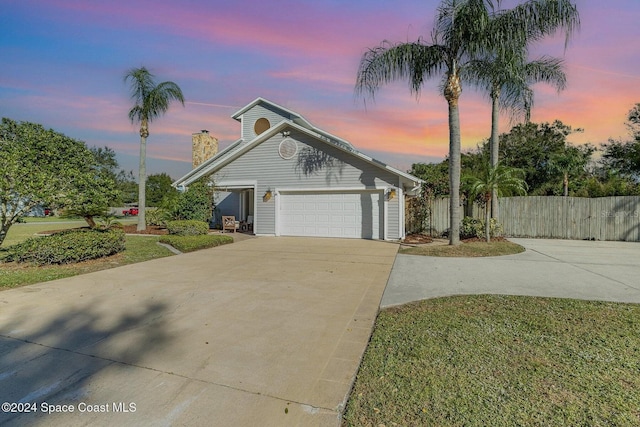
(19, 232)
(500, 361)
(468, 249)
(138, 249)
(194, 243)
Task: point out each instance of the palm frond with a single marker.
(388, 62)
(151, 100)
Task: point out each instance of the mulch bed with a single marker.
(477, 239)
(417, 239)
(151, 229)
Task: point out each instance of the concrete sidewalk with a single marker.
(593, 270)
(267, 331)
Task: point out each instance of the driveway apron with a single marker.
(268, 331)
(591, 270)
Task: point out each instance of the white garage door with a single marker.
(350, 214)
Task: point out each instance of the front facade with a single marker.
(285, 177)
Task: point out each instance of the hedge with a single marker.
(67, 247)
(193, 243)
(187, 227)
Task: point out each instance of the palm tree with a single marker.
(463, 31)
(571, 161)
(500, 180)
(151, 101)
(507, 79)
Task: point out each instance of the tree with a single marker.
(94, 189)
(570, 162)
(530, 146)
(158, 187)
(507, 78)
(44, 167)
(151, 100)
(624, 156)
(196, 203)
(127, 186)
(501, 180)
(463, 31)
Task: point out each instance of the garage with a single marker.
(348, 214)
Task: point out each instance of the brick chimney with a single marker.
(204, 147)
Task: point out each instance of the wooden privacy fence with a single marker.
(602, 218)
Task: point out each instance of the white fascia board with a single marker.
(235, 185)
(259, 100)
(330, 189)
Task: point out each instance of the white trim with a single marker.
(385, 214)
(329, 189)
(236, 185)
(276, 214)
(401, 213)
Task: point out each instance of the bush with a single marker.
(67, 247)
(187, 228)
(471, 227)
(194, 204)
(157, 216)
(193, 243)
(474, 227)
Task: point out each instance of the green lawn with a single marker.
(501, 361)
(138, 249)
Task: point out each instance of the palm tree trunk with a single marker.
(454, 173)
(452, 92)
(487, 218)
(142, 179)
(494, 145)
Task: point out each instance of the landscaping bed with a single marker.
(151, 229)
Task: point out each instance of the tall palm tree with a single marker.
(463, 31)
(151, 101)
(507, 79)
(489, 180)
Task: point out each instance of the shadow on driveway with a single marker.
(53, 358)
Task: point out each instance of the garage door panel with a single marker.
(349, 214)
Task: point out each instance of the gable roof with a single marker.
(299, 123)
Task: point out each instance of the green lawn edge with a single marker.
(501, 361)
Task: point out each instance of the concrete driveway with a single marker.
(593, 270)
(267, 331)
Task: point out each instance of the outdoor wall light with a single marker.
(392, 193)
(286, 133)
(267, 196)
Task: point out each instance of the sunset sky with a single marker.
(62, 64)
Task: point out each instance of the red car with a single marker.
(130, 211)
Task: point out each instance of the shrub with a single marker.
(471, 227)
(474, 227)
(187, 227)
(193, 243)
(157, 216)
(67, 247)
(194, 204)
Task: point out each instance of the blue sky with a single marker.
(63, 63)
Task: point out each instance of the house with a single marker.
(289, 178)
